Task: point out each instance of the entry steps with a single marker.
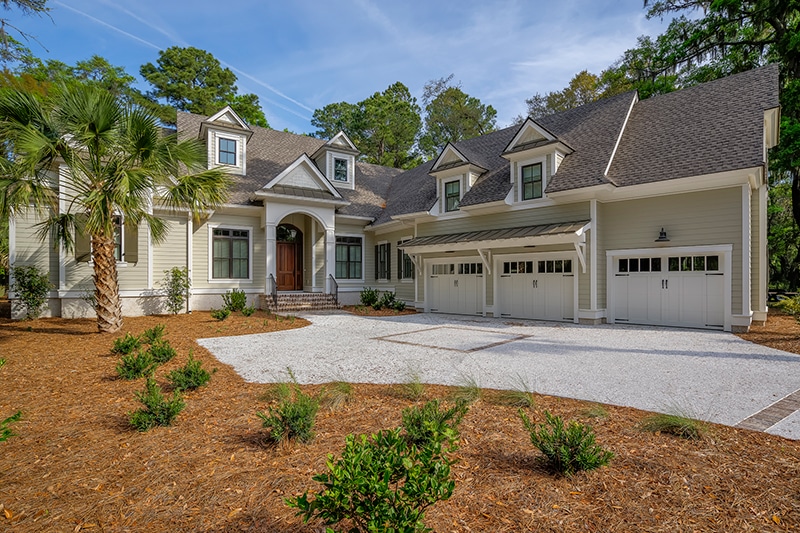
(293, 302)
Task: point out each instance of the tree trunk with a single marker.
(106, 288)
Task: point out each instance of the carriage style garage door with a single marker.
(456, 287)
(537, 289)
(672, 290)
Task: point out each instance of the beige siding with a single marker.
(171, 252)
(133, 276)
(756, 296)
(692, 219)
(201, 251)
(404, 289)
(32, 250)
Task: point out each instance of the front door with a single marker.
(290, 258)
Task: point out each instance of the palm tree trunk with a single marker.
(106, 287)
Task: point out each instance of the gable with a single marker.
(450, 157)
(228, 117)
(530, 135)
(303, 174)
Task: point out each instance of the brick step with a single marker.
(293, 302)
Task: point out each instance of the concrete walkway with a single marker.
(710, 375)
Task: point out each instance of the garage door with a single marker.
(685, 290)
(456, 287)
(537, 289)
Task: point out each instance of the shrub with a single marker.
(277, 392)
(673, 424)
(369, 296)
(161, 351)
(428, 423)
(221, 314)
(126, 345)
(248, 311)
(386, 301)
(150, 336)
(191, 376)
(176, 284)
(137, 365)
(293, 419)
(381, 483)
(5, 431)
(234, 300)
(31, 286)
(157, 411)
(567, 449)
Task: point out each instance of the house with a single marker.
(619, 211)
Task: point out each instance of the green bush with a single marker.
(567, 449)
(126, 345)
(221, 314)
(248, 311)
(369, 296)
(2, 362)
(5, 431)
(293, 419)
(429, 423)
(157, 411)
(136, 365)
(161, 351)
(381, 483)
(673, 424)
(791, 306)
(234, 300)
(31, 286)
(150, 336)
(176, 285)
(191, 376)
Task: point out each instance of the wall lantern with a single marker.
(662, 236)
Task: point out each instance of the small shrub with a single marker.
(567, 449)
(428, 423)
(336, 395)
(176, 285)
(137, 365)
(161, 351)
(380, 483)
(126, 345)
(2, 362)
(221, 314)
(157, 411)
(5, 431)
(673, 424)
(369, 297)
(190, 376)
(31, 286)
(150, 336)
(412, 388)
(791, 306)
(399, 305)
(249, 311)
(386, 301)
(468, 391)
(293, 419)
(234, 300)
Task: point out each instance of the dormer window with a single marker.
(227, 152)
(532, 181)
(452, 195)
(339, 169)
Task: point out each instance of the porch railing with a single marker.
(273, 290)
(334, 288)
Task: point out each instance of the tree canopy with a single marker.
(11, 48)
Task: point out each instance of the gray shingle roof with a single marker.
(712, 127)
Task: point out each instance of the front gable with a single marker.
(449, 158)
(303, 174)
(530, 135)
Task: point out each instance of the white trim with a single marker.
(228, 110)
(211, 227)
(12, 248)
(763, 265)
(149, 256)
(448, 148)
(517, 166)
(327, 185)
(529, 124)
(621, 131)
(341, 135)
(591, 315)
(593, 296)
(363, 238)
(746, 244)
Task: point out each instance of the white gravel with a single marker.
(709, 375)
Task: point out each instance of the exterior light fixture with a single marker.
(662, 236)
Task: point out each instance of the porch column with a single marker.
(330, 257)
(271, 252)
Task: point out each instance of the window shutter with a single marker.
(388, 261)
(377, 260)
(399, 262)
(83, 243)
(131, 251)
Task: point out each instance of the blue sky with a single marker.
(298, 55)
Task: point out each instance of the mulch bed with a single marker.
(365, 310)
(77, 465)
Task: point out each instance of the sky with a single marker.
(298, 55)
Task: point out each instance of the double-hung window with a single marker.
(382, 266)
(532, 181)
(405, 267)
(227, 152)
(348, 258)
(231, 253)
(452, 195)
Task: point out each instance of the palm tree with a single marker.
(119, 163)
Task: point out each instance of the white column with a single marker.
(593, 257)
(312, 243)
(330, 256)
(746, 244)
(270, 229)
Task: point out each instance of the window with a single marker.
(339, 169)
(231, 250)
(405, 267)
(382, 268)
(118, 236)
(532, 181)
(348, 258)
(452, 194)
(227, 152)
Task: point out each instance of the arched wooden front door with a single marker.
(290, 258)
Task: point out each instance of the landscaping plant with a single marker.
(412, 388)
(5, 431)
(191, 376)
(429, 423)
(369, 297)
(467, 391)
(519, 396)
(126, 345)
(248, 311)
(161, 351)
(569, 448)
(31, 286)
(136, 365)
(176, 285)
(336, 394)
(221, 314)
(150, 336)
(674, 424)
(293, 419)
(234, 300)
(157, 411)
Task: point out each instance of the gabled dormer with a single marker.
(226, 136)
(535, 154)
(337, 160)
(302, 182)
(455, 175)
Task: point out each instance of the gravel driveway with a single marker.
(710, 375)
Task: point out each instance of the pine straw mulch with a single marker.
(364, 310)
(77, 465)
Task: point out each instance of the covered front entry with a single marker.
(456, 286)
(289, 258)
(536, 287)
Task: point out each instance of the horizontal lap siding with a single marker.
(367, 255)
(756, 296)
(404, 289)
(133, 276)
(33, 251)
(691, 219)
(171, 252)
